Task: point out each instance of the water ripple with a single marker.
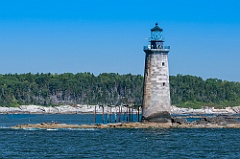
(119, 143)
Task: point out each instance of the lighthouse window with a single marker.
(163, 64)
(164, 84)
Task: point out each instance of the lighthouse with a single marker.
(156, 90)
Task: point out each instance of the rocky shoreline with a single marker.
(90, 109)
(64, 109)
(209, 122)
(220, 118)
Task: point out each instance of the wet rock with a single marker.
(161, 117)
(177, 120)
(219, 120)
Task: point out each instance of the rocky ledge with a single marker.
(206, 122)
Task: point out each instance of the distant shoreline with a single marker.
(90, 109)
(65, 109)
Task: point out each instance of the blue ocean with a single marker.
(111, 143)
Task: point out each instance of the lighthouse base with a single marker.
(160, 117)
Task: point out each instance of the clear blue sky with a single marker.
(100, 36)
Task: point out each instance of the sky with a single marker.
(104, 36)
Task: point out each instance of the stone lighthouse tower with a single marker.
(156, 91)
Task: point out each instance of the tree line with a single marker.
(111, 88)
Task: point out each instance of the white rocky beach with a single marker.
(64, 109)
(90, 109)
(205, 110)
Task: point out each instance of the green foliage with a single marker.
(191, 91)
(110, 88)
(81, 88)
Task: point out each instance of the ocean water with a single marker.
(112, 143)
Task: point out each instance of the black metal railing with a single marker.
(160, 47)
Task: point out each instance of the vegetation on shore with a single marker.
(110, 88)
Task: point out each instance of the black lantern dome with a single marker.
(157, 28)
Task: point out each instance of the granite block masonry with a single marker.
(156, 92)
